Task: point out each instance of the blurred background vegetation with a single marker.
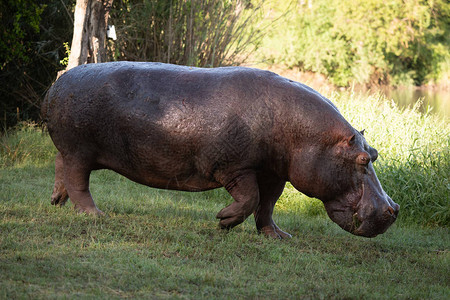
(370, 42)
(398, 42)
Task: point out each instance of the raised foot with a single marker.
(229, 222)
(59, 196)
(231, 216)
(273, 231)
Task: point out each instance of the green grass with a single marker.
(166, 244)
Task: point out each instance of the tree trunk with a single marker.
(89, 34)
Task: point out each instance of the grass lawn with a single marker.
(164, 244)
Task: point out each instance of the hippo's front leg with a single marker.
(270, 189)
(243, 187)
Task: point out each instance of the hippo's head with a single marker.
(341, 174)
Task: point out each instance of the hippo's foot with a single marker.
(75, 172)
(244, 190)
(93, 211)
(59, 196)
(273, 231)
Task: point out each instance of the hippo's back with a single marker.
(153, 89)
(152, 120)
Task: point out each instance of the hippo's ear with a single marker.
(362, 131)
(351, 140)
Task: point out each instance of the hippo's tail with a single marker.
(44, 109)
(45, 105)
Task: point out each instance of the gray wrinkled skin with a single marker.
(193, 129)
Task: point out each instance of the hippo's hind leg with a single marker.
(76, 181)
(244, 190)
(59, 196)
(270, 189)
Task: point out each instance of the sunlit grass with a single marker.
(26, 144)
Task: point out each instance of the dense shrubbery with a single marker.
(31, 45)
(366, 41)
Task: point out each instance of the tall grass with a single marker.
(413, 164)
(414, 160)
(27, 143)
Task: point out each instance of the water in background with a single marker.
(438, 100)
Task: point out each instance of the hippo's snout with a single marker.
(372, 215)
(371, 220)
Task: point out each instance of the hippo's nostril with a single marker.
(391, 210)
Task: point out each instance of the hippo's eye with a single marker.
(351, 140)
(363, 158)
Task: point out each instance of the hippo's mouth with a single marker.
(372, 214)
(356, 218)
(356, 222)
(359, 226)
(374, 225)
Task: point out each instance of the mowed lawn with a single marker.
(160, 244)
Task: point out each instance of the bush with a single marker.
(369, 42)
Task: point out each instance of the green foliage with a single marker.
(31, 45)
(370, 42)
(205, 33)
(65, 60)
(20, 19)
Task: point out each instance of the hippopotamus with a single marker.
(195, 129)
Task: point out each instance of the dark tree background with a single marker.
(32, 34)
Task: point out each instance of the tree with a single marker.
(89, 35)
(201, 33)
